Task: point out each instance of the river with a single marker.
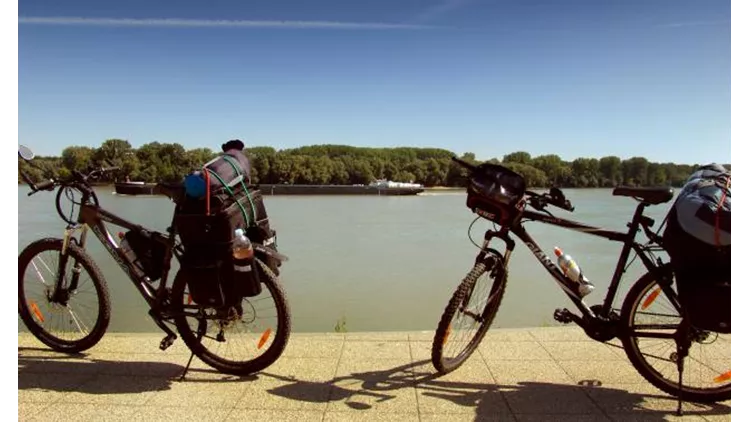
(379, 263)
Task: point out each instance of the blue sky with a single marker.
(577, 78)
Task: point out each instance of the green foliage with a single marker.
(340, 326)
(343, 164)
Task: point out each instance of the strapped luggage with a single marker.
(206, 227)
(697, 238)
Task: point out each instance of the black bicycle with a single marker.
(655, 331)
(64, 302)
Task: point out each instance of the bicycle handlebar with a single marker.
(464, 163)
(553, 197)
(539, 201)
(75, 178)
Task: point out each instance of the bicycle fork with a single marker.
(500, 263)
(61, 293)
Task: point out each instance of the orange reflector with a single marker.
(447, 334)
(651, 298)
(121, 235)
(724, 377)
(264, 338)
(36, 311)
(190, 299)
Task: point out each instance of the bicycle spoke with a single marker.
(84, 329)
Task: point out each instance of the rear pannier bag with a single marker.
(697, 238)
(212, 280)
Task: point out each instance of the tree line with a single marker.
(341, 164)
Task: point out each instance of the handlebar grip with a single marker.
(46, 185)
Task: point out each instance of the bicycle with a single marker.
(651, 297)
(69, 315)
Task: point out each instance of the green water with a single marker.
(382, 263)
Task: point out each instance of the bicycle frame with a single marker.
(569, 287)
(93, 216)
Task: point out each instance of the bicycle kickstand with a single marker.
(681, 354)
(200, 333)
(182, 378)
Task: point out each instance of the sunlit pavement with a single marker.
(555, 374)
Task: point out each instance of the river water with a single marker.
(379, 263)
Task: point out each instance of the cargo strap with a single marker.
(231, 160)
(718, 208)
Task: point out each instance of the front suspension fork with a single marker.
(62, 292)
(500, 264)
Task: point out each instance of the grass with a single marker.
(340, 326)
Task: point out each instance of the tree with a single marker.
(585, 172)
(77, 158)
(117, 153)
(552, 166)
(610, 170)
(520, 157)
(342, 164)
(635, 171)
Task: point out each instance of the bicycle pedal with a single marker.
(563, 315)
(166, 342)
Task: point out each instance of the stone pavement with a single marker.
(536, 374)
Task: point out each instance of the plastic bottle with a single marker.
(242, 251)
(572, 271)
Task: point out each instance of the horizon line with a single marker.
(215, 23)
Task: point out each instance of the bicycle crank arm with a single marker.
(171, 336)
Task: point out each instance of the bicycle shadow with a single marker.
(81, 373)
(369, 390)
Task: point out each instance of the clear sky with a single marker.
(577, 78)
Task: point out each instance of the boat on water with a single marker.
(379, 187)
(134, 188)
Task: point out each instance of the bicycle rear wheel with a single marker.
(469, 314)
(73, 318)
(646, 312)
(237, 339)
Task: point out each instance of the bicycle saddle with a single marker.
(174, 191)
(650, 195)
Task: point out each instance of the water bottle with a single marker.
(572, 271)
(246, 281)
(242, 251)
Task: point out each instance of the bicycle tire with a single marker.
(635, 350)
(43, 332)
(222, 364)
(443, 364)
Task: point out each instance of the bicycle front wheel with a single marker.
(647, 314)
(71, 317)
(469, 314)
(235, 339)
